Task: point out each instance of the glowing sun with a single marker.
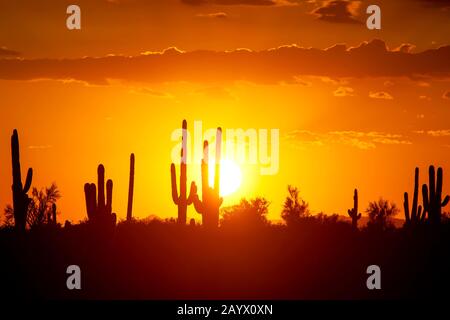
(230, 176)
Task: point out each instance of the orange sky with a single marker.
(360, 116)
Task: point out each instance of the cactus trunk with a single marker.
(432, 196)
(21, 200)
(353, 213)
(211, 201)
(130, 190)
(416, 215)
(181, 200)
(98, 208)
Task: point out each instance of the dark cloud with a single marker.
(445, 4)
(339, 11)
(235, 2)
(282, 64)
(5, 52)
(380, 95)
(446, 95)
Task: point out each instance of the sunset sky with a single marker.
(356, 108)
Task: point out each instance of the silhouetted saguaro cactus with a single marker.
(100, 212)
(130, 190)
(181, 200)
(21, 201)
(353, 213)
(417, 214)
(211, 201)
(432, 196)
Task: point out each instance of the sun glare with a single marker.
(230, 176)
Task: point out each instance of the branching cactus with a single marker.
(100, 211)
(180, 199)
(353, 213)
(130, 190)
(417, 214)
(432, 196)
(211, 201)
(21, 201)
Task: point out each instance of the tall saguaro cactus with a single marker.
(21, 200)
(180, 199)
(100, 212)
(432, 196)
(418, 213)
(353, 213)
(211, 201)
(130, 190)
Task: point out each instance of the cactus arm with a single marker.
(198, 204)
(446, 200)
(426, 205)
(421, 214)
(416, 195)
(173, 175)
(28, 180)
(192, 193)
(406, 207)
(439, 190)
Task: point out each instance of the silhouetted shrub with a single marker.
(380, 214)
(248, 213)
(294, 208)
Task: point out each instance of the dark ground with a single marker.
(167, 261)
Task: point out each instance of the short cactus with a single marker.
(353, 213)
(180, 199)
(211, 201)
(432, 196)
(100, 212)
(130, 190)
(21, 201)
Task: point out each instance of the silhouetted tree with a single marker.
(248, 213)
(40, 210)
(380, 214)
(294, 207)
(9, 216)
